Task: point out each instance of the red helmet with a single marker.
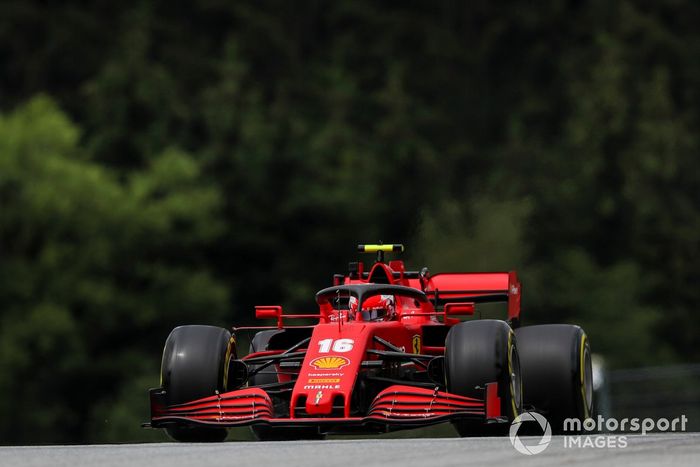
(375, 308)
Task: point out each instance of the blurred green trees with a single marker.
(92, 269)
(165, 164)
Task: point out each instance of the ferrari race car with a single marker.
(391, 349)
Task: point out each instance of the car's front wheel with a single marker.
(481, 352)
(195, 359)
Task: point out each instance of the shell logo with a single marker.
(329, 363)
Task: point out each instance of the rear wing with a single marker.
(477, 287)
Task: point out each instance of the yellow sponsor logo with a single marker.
(329, 363)
(324, 380)
(415, 343)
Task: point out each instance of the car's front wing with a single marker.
(397, 406)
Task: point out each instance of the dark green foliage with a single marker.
(94, 271)
(165, 164)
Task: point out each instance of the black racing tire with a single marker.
(556, 364)
(267, 433)
(481, 352)
(194, 365)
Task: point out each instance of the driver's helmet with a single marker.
(376, 308)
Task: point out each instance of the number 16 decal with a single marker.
(339, 345)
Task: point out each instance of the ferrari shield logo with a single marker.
(415, 343)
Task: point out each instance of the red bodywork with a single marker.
(357, 375)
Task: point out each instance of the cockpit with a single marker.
(367, 302)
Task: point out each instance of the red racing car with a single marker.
(391, 349)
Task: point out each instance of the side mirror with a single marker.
(459, 308)
(269, 312)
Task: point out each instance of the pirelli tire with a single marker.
(195, 365)
(555, 360)
(269, 375)
(481, 352)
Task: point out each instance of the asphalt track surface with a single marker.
(664, 450)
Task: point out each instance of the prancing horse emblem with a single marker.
(415, 341)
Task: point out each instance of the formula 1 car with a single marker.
(389, 351)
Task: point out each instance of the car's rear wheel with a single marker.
(195, 360)
(481, 352)
(556, 365)
(269, 375)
